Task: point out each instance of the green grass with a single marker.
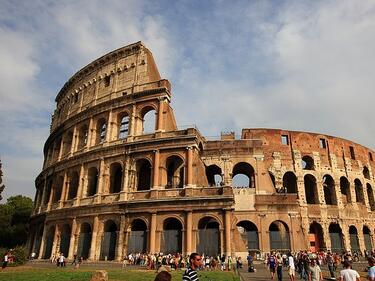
(64, 274)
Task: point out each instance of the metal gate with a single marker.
(48, 249)
(336, 242)
(137, 241)
(252, 240)
(209, 241)
(65, 243)
(279, 241)
(84, 245)
(172, 241)
(368, 244)
(108, 246)
(354, 243)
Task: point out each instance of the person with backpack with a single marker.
(272, 263)
(250, 263)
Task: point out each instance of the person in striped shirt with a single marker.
(190, 274)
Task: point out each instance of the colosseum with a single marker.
(109, 186)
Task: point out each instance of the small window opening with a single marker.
(76, 98)
(124, 127)
(103, 131)
(285, 139)
(107, 81)
(322, 143)
(352, 154)
(370, 156)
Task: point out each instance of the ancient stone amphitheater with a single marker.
(120, 176)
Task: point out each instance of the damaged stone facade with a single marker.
(109, 187)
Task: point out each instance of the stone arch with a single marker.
(249, 233)
(336, 236)
(208, 236)
(49, 242)
(367, 237)
(148, 118)
(316, 237)
(214, 175)
(57, 189)
(354, 241)
(101, 130)
(84, 241)
(279, 236)
(370, 195)
(73, 184)
(243, 175)
(307, 163)
(143, 168)
(116, 175)
(65, 239)
(175, 170)
(67, 142)
(83, 134)
(92, 181)
(329, 190)
(311, 191)
(108, 244)
(123, 124)
(290, 182)
(172, 236)
(345, 190)
(48, 191)
(366, 173)
(137, 241)
(359, 195)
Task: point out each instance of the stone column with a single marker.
(101, 180)
(320, 191)
(52, 191)
(326, 236)
(227, 219)
(91, 133)
(132, 121)
(44, 237)
(153, 233)
(189, 232)
(56, 240)
(64, 190)
(261, 233)
(74, 141)
(120, 239)
(156, 169)
(189, 166)
(73, 235)
(160, 125)
(81, 184)
(108, 136)
(61, 149)
(94, 238)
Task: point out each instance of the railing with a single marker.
(278, 199)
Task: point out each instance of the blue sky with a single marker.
(300, 65)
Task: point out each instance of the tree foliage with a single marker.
(2, 186)
(14, 221)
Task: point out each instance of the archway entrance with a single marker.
(65, 240)
(108, 246)
(279, 236)
(137, 242)
(49, 242)
(316, 239)
(208, 237)
(335, 233)
(84, 241)
(249, 234)
(172, 236)
(354, 242)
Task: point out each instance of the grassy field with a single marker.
(26, 273)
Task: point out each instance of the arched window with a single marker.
(345, 190)
(249, 234)
(335, 233)
(243, 175)
(329, 190)
(123, 126)
(208, 237)
(49, 242)
(48, 191)
(307, 163)
(84, 241)
(57, 189)
(311, 191)
(175, 172)
(83, 136)
(367, 238)
(359, 196)
(214, 175)
(370, 195)
(148, 120)
(101, 130)
(172, 236)
(92, 185)
(116, 178)
(137, 242)
(316, 237)
(143, 167)
(279, 236)
(68, 139)
(366, 173)
(73, 185)
(290, 182)
(108, 245)
(65, 240)
(354, 242)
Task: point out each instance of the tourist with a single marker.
(371, 270)
(5, 260)
(348, 274)
(75, 261)
(61, 260)
(279, 261)
(272, 264)
(250, 263)
(291, 267)
(331, 265)
(163, 276)
(190, 274)
(315, 273)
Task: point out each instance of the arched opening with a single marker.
(123, 129)
(370, 195)
(49, 242)
(148, 120)
(214, 175)
(38, 240)
(83, 135)
(84, 241)
(329, 190)
(290, 182)
(73, 185)
(101, 130)
(92, 184)
(345, 190)
(243, 175)
(311, 191)
(56, 150)
(67, 143)
(367, 238)
(172, 236)
(65, 239)
(175, 172)
(208, 241)
(335, 234)
(108, 245)
(354, 242)
(359, 196)
(307, 163)
(316, 237)
(137, 242)
(115, 178)
(48, 191)
(366, 173)
(143, 174)
(58, 189)
(279, 236)
(249, 234)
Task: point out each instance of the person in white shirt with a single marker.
(348, 274)
(292, 269)
(61, 260)
(5, 261)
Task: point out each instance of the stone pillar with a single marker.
(101, 180)
(120, 239)
(132, 121)
(189, 232)
(94, 238)
(81, 184)
(73, 235)
(326, 236)
(291, 234)
(153, 233)
(56, 240)
(108, 136)
(52, 191)
(156, 169)
(64, 190)
(91, 133)
(74, 141)
(320, 191)
(361, 239)
(227, 219)
(44, 237)
(159, 124)
(262, 235)
(61, 149)
(189, 166)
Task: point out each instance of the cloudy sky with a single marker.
(300, 65)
